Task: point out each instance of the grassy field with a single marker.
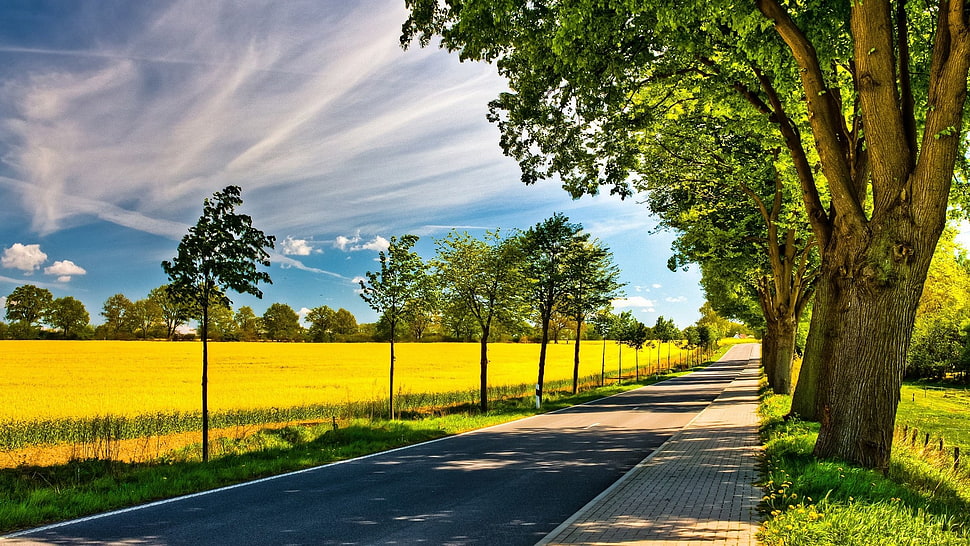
(922, 500)
(942, 412)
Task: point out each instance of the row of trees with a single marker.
(495, 282)
(815, 143)
(33, 312)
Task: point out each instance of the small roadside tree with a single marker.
(481, 279)
(221, 251)
(665, 331)
(636, 336)
(548, 246)
(603, 322)
(593, 283)
(389, 290)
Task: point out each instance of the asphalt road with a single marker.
(510, 484)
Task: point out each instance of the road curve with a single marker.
(510, 484)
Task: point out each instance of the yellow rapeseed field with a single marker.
(55, 379)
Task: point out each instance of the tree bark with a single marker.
(390, 392)
(205, 379)
(542, 358)
(873, 290)
(875, 254)
(769, 352)
(484, 371)
(579, 331)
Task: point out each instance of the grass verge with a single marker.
(31, 495)
(810, 502)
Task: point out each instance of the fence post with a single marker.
(956, 457)
(926, 441)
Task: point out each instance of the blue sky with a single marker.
(118, 118)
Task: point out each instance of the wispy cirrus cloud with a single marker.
(287, 100)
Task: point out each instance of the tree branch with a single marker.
(823, 115)
(806, 177)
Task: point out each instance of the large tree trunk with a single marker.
(778, 353)
(874, 284)
(769, 351)
(806, 399)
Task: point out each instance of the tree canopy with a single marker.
(865, 98)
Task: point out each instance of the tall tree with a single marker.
(173, 313)
(593, 282)
(119, 317)
(548, 248)
(27, 305)
(221, 251)
(69, 315)
(389, 290)
(247, 324)
(879, 86)
(281, 322)
(482, 278)
(344, 322)
(322, 327)
(146, 315)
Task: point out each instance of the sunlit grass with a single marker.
(812, 502)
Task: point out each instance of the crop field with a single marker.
(62, 391)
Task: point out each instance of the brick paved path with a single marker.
(697, 488)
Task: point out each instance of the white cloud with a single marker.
(26, 258)
(638, 302)
(3, 302)
(377, 244)
(344, 243)
(657, 285)
(64, 269)
(296, 247)
(678, 299)
(352, 244)
(303, 312)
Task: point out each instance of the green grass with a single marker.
(31, 496)
(940, 411)
(922, 500)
